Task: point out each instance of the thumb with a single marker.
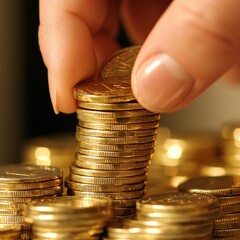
(191, 46)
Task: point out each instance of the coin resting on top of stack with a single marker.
(116, 137)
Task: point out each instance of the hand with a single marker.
(192, 44)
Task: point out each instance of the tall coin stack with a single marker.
(69, 217)
(116, 138)
(170, 216)
(227, 190)
(21, 184)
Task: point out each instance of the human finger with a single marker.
(66, 41)
(192, 45)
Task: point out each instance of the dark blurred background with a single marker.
(25, 106)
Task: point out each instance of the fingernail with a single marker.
(161, 83)
(53, 93)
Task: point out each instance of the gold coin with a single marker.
(23, 200)
(229, 200)
(177, 203)
(119, 140)
(11, 219)
(22, 173)
(136, 153)
(104, 90)
(124, 211)
(229, 218)
(106, 173)
(31, 185)
(13, 212)
(120, 63)
(217, 186)
(119, 127)
(230, 208)
(116, 195)
(104, 188)
(133, 105)
(110, 160)
(115, 134)
(226, 222)
(116, 147)
(126, 120)
(70, 204)
(113, 114)
(111, 166)
(31, 192)
(226, 232)
(104, 180)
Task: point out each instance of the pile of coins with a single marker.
(69, 217)
(116, 138)
(21, 184)
(178, 216)
(227, 190)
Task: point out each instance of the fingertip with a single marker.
(160, 83)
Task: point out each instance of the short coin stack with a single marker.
(20, 184)
(227, 190)
(170, 216)
(69, 217)
(116, 138)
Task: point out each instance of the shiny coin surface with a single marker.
(119, 127)
(110, 166)
(114, 114)
(114, 134)
(107, 180)
(104, 90)
(116, 147)
(133, 105)
(177, 202)
(217, 186)
(107, 173)
(31, 185)
(126, 120)
(103, 188)
(120, 63)
(119, 140)
(111, 160)
(19, 173)
(136, 153)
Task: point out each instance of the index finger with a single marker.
(66, 43)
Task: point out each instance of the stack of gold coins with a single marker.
(69, 217)
(230, 145)
(20, 184)
(116, 138)
(170, 216)
(227, 190)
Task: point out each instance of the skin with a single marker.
(186, 46)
